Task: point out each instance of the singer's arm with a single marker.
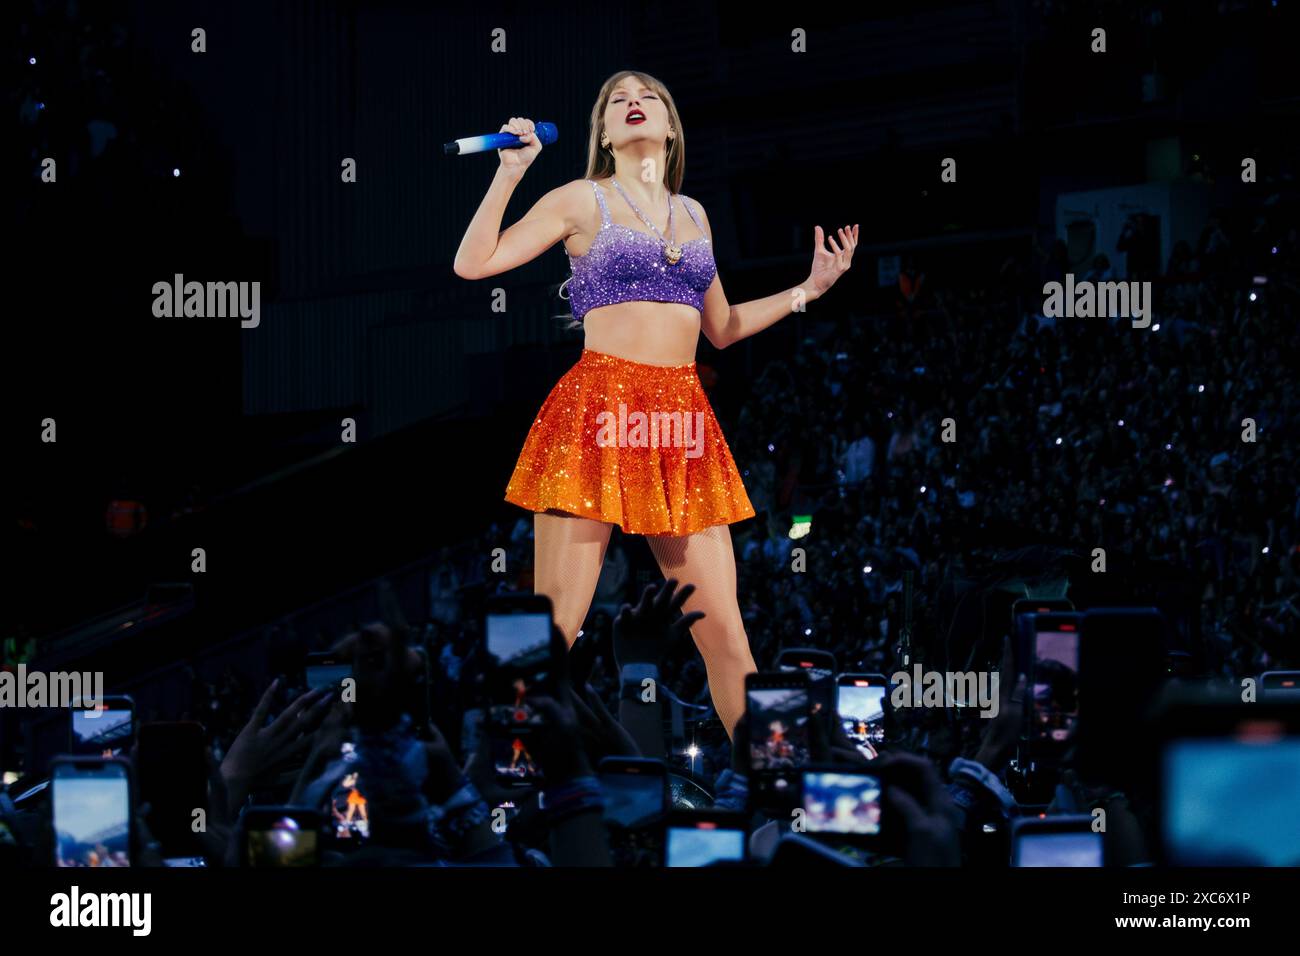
(487, 251)
(724, 324)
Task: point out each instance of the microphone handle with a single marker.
(546, 135)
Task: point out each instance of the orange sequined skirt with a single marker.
(633, 445)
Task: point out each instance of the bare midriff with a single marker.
(653, 333)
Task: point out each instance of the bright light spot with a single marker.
(32, 61)
(1058, 441)
(176, 172)
(867, 569)
(923, 489)
(1200, 388)
(1156, 327)
(1121, 423)
(807, 632)
(1265, 549)
(1252, 297)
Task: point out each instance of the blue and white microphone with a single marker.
(546, 135)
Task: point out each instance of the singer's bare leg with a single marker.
(568, 552)
(706, 559)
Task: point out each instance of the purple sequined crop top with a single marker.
(628, 265)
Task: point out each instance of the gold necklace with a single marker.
(672, 251)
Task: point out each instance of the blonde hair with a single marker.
(600, 159)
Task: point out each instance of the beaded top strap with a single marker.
(600, 198)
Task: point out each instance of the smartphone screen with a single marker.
(1024, 619)
(326, 674)
(1055, 681)
(519, 651)
(512, 755)
(91, 806)
(841, 803)
(284, 837)
(1058, 848)
(519, 644)
(633, 799)
(819, 666)
(106, 733)
(1231, 800)
(778, 726)
(349, 808)
(703, 843)
(860, 704)
(519, 640)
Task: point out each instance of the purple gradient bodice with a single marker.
(628, 265)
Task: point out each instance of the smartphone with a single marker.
(778, 708)
(92, 809)
(1229, 785)
(635, 789)
(524, 657)
(820, 667)
(281, 836)
(172, 772)
(349, 807)
(1054, 677)
(704, 838)
(1022, 627)
(1122, 667)
(841, 804)
(637, 802)
(1279, 686)
(109, 732)
(326, 669)
(1056, 841)
(860, 702)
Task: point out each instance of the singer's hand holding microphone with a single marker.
(517, 160)
(518, 143)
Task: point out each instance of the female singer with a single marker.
(627, 435)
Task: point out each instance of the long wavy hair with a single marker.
(600, 159)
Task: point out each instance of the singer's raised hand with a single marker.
(519, 159)
(829, 264)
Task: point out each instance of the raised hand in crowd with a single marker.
(261, 749)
